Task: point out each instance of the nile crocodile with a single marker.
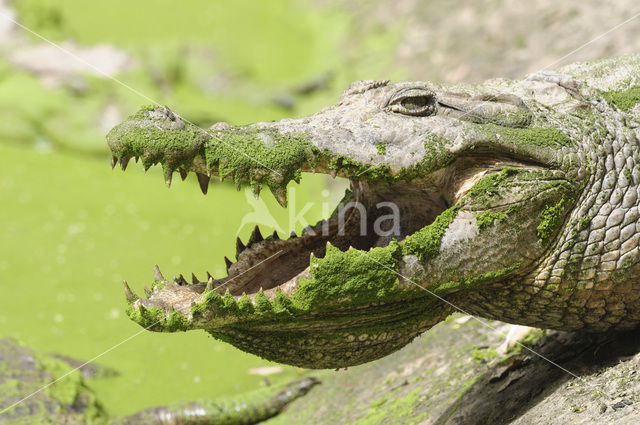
(30, 394)
(516, 201)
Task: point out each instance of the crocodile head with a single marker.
(450, 192)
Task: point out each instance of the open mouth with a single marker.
(334, 295)
(369, 215)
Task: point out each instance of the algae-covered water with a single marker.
(71, 229)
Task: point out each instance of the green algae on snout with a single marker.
(545, 137)
(247, 154)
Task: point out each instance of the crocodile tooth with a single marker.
(157, 275)
(256, 190)
(194, 279)
(228, 263)
(293, 235)
(148, 292)
(210, 284)
(203, 180)
(131, 296)
(256, 236)
(182, 280)
(238, 186)
(141, 308)
(275, 236)
(124, 161)
(209, 275)
(114, 161)
(183, 173)
(239, 246)
(280, 194)
(308, 231)
(168, 174)
(136, 158)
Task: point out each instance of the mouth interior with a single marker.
(364, 219)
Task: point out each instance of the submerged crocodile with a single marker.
(30, 394)
(509, 200)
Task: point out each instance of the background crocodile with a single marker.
(517, 201)
(32, 395)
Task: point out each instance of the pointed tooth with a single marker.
(114, 161)
(209, 276)
(293, 235)
(228, 263)
(256, 188)
(275, 236)
(168, 173)
(146, 166)
(308, 231)
(256, 236)
(280, 193)
(194, 279)
(239, 246)
(131, 296)
(156, 274)
(210, 284)
(332, 173)
(183, 173)
(203, 180)
(124, 161)
(148, 292)
(238, 186)
(136, 158)
(141, 308)
(182, 280)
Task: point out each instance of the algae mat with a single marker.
(72, 229)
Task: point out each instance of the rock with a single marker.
(443, 378)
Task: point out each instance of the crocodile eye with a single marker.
(417, 102)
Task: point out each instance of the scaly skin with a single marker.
(518, 201)
(69, 401)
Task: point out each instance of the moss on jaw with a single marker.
(489, 218)
(425, 243)
(260, 157)
(356, 277)
(625, 100)
(550, 218)
(153, 144)
(476, 281)
(488, 187)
